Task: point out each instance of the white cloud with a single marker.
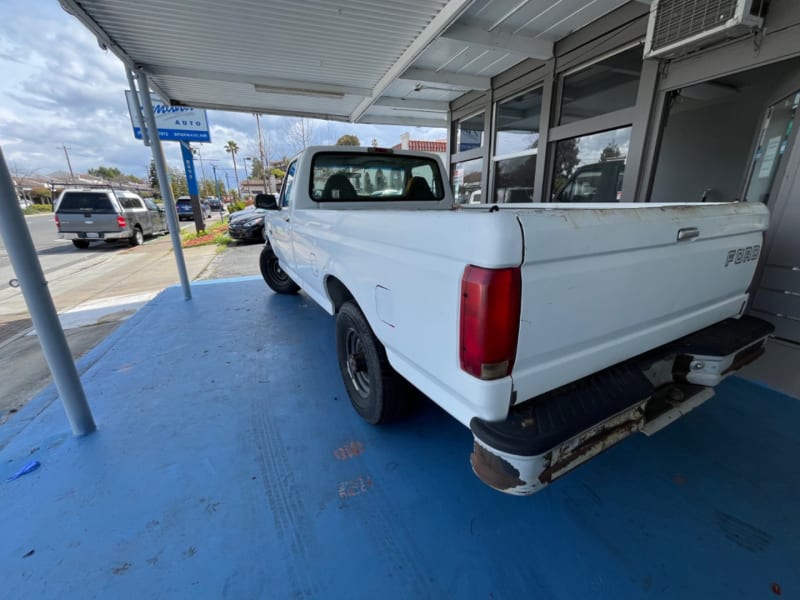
(59, 88)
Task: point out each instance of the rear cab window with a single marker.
(77, 202)
(348, 177)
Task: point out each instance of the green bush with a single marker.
(35, 209)
(234, 206)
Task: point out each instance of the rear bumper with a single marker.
(114, 235)
(550, 435)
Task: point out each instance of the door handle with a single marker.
(688, 233)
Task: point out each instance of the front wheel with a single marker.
(376, 390)
(275, 277)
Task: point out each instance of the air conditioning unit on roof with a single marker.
(677, 26)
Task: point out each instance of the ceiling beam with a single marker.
(445, 17)
(410, 121)
(413, 104)
(267, 82)
(455, 80)
(498, 40)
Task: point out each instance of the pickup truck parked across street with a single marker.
(85, 215)
(552, 331)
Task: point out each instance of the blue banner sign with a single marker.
(188, 165)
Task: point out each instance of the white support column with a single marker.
(163, 181)
(22, 254)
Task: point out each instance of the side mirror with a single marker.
(266, 201)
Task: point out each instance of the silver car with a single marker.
(83, 215)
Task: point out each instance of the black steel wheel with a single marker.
(275, 277)
(376, 391)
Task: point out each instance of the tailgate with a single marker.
(87, 222)
(602, 284)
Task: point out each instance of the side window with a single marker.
(288, 184)
(137, 203)
(125, 202)
(150, 204)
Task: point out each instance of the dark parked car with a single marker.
(184, 207)
(214, 203)
(247, 225)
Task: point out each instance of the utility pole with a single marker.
(71, 174)
(264, 156)
(228, 185)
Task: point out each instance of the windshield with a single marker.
(344, 177)
(97, 202)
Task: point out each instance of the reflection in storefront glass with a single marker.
(466, 178)
(513, 179)
(518, 123)
(590, 168)
(470, 133)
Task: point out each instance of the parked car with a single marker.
(185, 212)
(83, 215)
(596, 182)
(247, 225)
(214, 203)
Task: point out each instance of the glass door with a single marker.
(772, 142)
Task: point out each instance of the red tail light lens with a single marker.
(121, 222)
(58, 223)
(490, 310)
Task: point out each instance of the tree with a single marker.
(300, 134)
(256, 169)
(609, 152)
(178, 183)
(348, 140)
(565, 162)
(107, 173)
(277, 173)
(232, 147)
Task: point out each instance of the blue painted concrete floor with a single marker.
(229, 464)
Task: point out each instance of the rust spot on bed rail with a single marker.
(493, 470)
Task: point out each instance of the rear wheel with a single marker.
(138, 237)
(82, 244)
(377, 392)
(275, 277)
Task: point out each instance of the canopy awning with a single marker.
(369, 61)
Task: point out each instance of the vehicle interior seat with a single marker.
(338, 187)
(418, 189)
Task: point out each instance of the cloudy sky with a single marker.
(58, 88)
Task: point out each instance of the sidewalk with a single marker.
(229, 464)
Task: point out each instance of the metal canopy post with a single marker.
(163, 181)
(22, 254)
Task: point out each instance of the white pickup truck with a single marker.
(552, 331)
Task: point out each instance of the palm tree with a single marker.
(233, 148)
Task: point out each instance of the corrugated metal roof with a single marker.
(363, 60)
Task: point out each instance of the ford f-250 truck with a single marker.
(552, 331)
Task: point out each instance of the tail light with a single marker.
(58, 223)
(121, 222)
(490, 310)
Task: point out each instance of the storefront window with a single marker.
(590, 168)
(518, 123)
(470, 133)
(606, 86)
(466, 178)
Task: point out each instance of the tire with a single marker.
(137, 239)
(275, 277)
(378, 394)
(82, 244)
